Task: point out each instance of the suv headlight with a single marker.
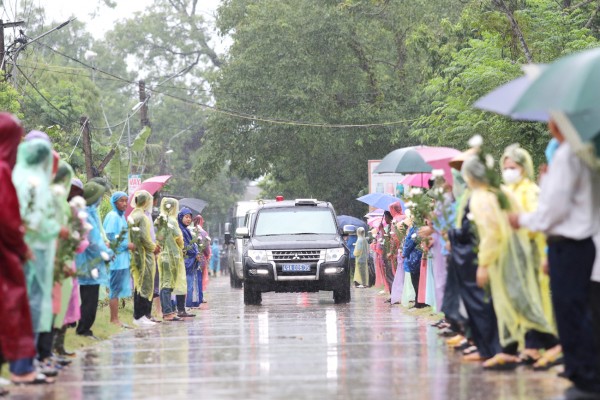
(258, 256)
(333, 255)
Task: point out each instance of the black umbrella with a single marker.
(196, 205)
(350, 220)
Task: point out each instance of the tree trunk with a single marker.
(501, 5)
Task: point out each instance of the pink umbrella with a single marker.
(152, 185)
(438, 158)
(418, 180)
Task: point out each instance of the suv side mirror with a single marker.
(349, 230)
(242, 233)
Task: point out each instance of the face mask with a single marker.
(511, 176)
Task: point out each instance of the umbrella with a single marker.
(375, 213)
(196, 205)
(404, 161)
(152, 185)
(379, 200)
(503, 99)
(438, 158)
(349, 220)
(569, 84)
(419, 180)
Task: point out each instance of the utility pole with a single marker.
(2, 48)
(87, 146)
(144, 110)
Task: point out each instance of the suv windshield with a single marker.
(294, 221)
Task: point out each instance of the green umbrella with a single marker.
(570, 84)
(403, 161)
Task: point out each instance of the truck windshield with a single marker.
(296, 221)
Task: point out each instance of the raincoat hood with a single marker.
(113, 201)
(169, 207)
(182, 213)
(198, 221)
(142, 199)
(11, 133)
(474, 172)
(64, 175)
(37, 135)
(521, 157)
(35, 156)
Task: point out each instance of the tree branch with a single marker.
(501, 5)
(591, 19)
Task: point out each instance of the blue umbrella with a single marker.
(503, 99)
(380, 200)
(349, 220)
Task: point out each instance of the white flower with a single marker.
(170, 226)
(476, 141)
(167, 206)
(77, 202)
(470, 216)
(58, 190)
(95, 273)
(407, 212)
(439, 191)
(116, 236)
(489, 161)
(82, 215)
(416, 191)
(34, 181)
(437, 173)
(130, 221)
(104, 256)
(75, 235)
(88, 227)
(413, 236)
(135, 229)
(409, 204)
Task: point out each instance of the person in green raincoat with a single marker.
(31, 177)
(170, 260)
(143, 262)
(361, 254)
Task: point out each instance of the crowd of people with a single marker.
(59, 257)
(511, 264)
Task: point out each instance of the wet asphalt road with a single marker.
(294, 346)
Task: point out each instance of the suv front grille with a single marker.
(296, 255)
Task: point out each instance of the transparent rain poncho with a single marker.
(526, 194)
(142, 257)
(361, 254)
(507, 256)
(168, 235)
(31, 177)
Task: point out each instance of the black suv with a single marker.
(295, 246)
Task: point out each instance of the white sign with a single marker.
(383, 183)
(134, 182)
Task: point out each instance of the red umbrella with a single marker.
(152, 185)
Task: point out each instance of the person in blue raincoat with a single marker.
(215, 260)
(116, 229)
(91, 266)
(193, 272)
(412, 260)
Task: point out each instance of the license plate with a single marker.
(295, 268)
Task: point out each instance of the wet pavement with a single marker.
(294, 346)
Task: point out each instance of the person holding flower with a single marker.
(116, 229)
(91, 264)
(143, 261)
(170, 260)
(505, 263)
(203, 240)
(192, 257)
(17, 343)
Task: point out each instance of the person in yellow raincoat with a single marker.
(518, 176)
(142, 258)
(170, 260)
(505, 265)
(361, 257)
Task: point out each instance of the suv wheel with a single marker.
(252, 297)
(234, 281)
(341, 295)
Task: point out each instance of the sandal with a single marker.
(528, 357)
(545, 363)
(470, 350)
(37, 380)
(501, 362)
(173, 318)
